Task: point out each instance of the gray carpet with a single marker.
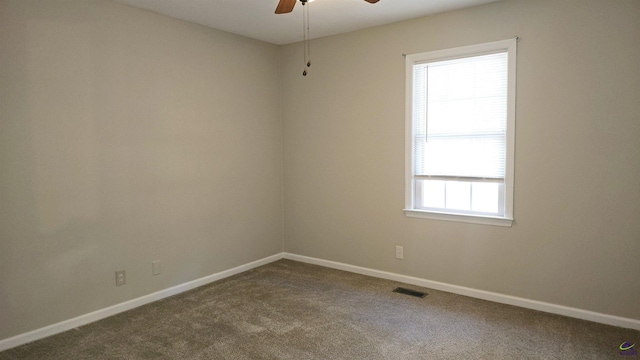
(291, 310)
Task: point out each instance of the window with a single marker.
(460, 126)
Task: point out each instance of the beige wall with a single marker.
(127, 137)
(576, 238)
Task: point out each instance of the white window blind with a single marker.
(460, 126)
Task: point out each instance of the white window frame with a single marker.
(411, 210)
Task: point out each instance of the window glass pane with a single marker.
(433, 193)
(458, 195)
(485, 197)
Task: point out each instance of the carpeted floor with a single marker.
(291, 310)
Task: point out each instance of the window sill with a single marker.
(473, 219)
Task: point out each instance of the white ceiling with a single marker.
(256, 18)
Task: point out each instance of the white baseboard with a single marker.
(479, 294)
(461, 290)
(128, 305)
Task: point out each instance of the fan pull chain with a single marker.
(306, 36)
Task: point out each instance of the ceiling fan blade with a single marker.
(285, 6)
(372, 1)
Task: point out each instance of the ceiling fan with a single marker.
(286, 6)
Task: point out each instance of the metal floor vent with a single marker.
(409, 292)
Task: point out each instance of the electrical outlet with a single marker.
(121, 277)
(399, 252)
(155, 267)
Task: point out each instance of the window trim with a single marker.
(510, 46)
